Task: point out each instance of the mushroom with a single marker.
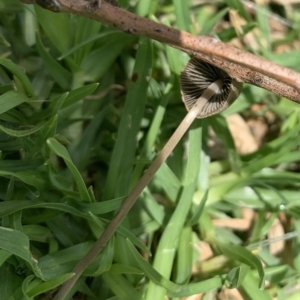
(206, 90)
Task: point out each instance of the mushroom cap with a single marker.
(197, 76)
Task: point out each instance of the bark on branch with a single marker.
(241, 65)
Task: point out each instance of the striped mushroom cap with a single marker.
(197, 76)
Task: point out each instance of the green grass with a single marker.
(84, 109)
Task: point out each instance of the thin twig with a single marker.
(240, 65)
(137, 190)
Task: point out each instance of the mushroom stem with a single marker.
(139, 187)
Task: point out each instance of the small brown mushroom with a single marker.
(197, 76)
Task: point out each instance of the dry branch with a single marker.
(241, 65)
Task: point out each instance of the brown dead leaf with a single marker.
(204, 250)
(193, 297)
(229, 294)
(248, 213)
(259, 129)
(286, 2)
(243, 138)
(276, 231)
(235, 224)
(236, 21)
